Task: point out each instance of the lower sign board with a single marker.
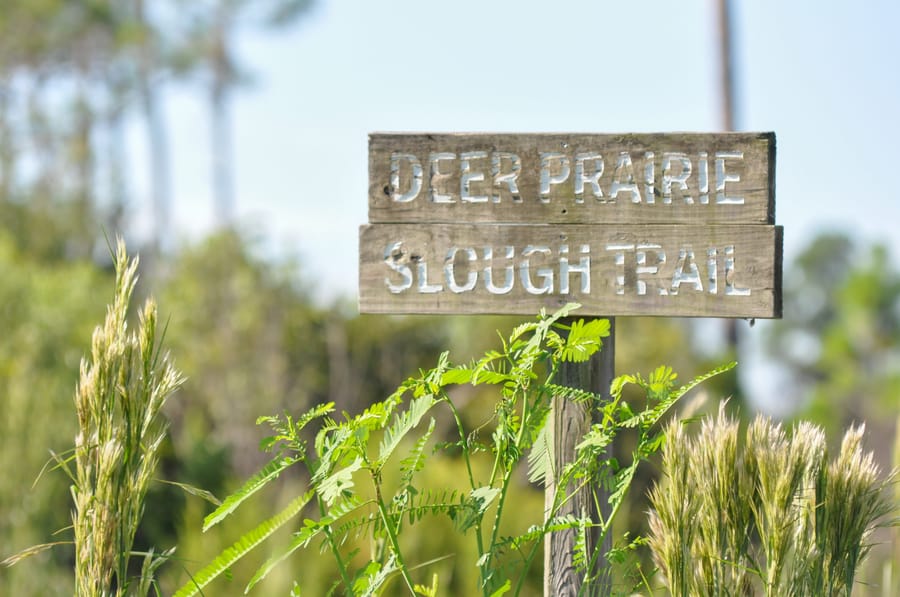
(621, 270)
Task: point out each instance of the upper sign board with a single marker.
(671, 178)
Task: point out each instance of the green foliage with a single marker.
(813, 519)
(840, 337)
(241, 547)
(47, 311)
(364, 493)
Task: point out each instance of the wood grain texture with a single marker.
(755, 169)
(571, 422)
(618, 261)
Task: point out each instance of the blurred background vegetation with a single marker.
(244, 327)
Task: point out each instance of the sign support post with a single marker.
(571, 421)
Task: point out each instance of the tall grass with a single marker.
(775, 518)
(123, 385)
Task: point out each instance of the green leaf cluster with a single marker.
(364, 469)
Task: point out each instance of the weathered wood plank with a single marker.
(685, 178)
(647, 269)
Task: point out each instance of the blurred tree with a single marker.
(150, 46)
(54, 61)
(47, 311)
(840, 336)
(210, 50)
(249, 341)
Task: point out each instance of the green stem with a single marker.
(495, 530)
(504, 487)
(465, 450)
(391, 532)
(342, 567)
(607, 524)
(528, 560)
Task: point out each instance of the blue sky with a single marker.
(823, 75)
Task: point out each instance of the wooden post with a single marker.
(571, 421)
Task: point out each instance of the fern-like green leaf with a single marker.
(459, 375)
(428, 591)
(435, 502)
(251, 486)
(581, 555)
(338, 482)
(403, 423)
(622, 482)
(473, 507)
(657, 413)
(596, 439)
(584, 340)
(415, 460)
(661, 380)
(540, 458)
(521, 329)
(573, 394)
(565, 311)
(302, 538)
(195, 491)
(332, 443)
(701, 378)
(488, 376)
(503, 590)
(342, 510)
(536, 531)
(241, 547)
(368, 585)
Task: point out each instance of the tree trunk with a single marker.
(220, 126)
(7, 143)
(157, 139)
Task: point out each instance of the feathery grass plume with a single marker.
(891, 569)
(724, 518)
(121, 390)
(672, 519)
(811, 519)
(856, 501)
(803, 575)
(780, 473)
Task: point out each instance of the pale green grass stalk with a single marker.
(813, 520)
(122, 388)
(891, 569)
(855, 501)
(803, 575)
(724, 517)
(780, 467)
(672, 520)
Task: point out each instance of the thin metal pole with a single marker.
(726, 83)
(726, 64)
(571, 421)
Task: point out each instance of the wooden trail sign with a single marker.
(675, 224)
(679, 224)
